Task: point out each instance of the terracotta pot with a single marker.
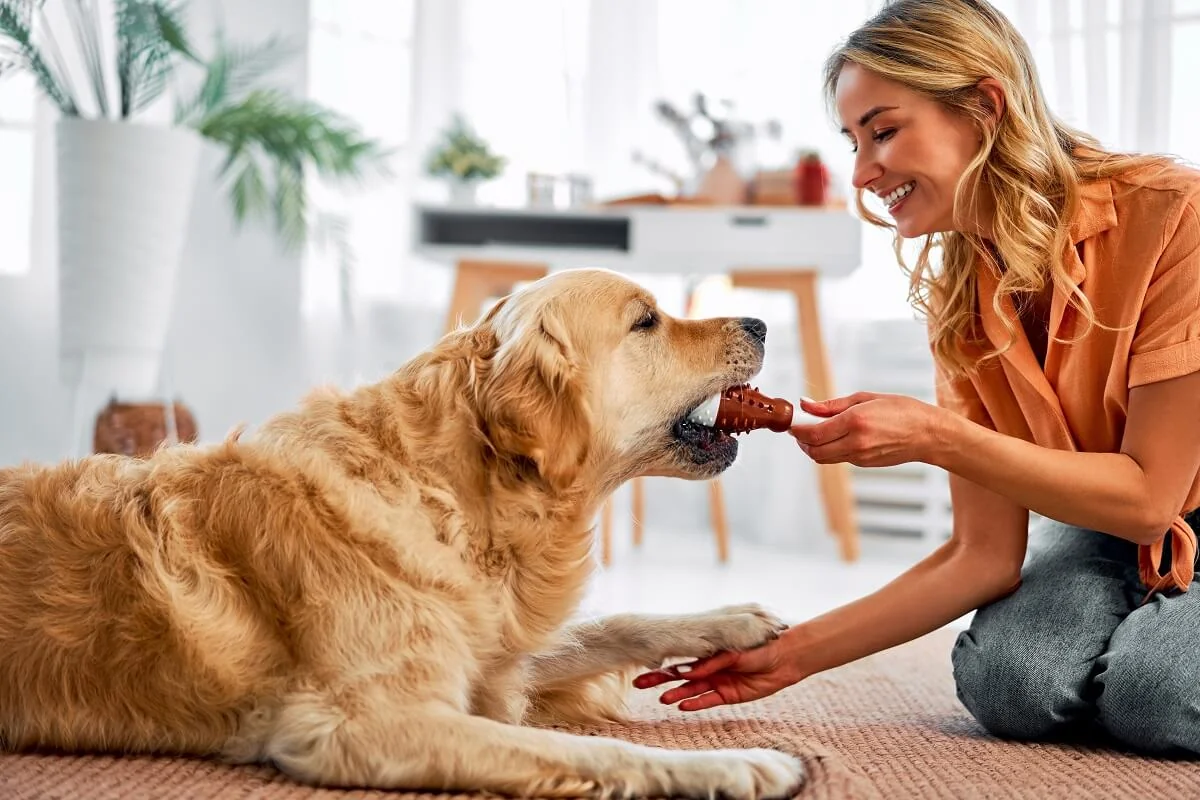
(138, 429)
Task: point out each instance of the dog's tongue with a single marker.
(740, 409)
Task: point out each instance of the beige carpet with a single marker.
(887, 727)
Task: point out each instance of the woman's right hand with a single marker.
(727, 677)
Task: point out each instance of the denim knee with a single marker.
(1024, 669)
(1014, 691)
(1150, 684)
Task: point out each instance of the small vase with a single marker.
(462, 192)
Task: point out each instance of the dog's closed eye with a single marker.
(647, 321)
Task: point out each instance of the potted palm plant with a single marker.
(125, 183)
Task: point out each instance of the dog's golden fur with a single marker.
(373, 589)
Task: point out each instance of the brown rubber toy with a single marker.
(744, 409)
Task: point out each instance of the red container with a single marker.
(812, 180)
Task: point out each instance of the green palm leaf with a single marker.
(18, 50)
(150, 36)
(271, 138)
(231, 72)
(84, 16)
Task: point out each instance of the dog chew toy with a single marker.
(741, 409)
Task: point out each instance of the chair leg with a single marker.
(836, 490)
(720, 523)
(476, 281)
(606, 518)
(639, 510)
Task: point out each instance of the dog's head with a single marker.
(585, 371)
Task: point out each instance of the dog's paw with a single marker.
(734, 774)
(740, 627)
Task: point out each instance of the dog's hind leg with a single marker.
(372, 738)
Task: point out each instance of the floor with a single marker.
(678, 573)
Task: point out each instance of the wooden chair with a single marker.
(475, 282)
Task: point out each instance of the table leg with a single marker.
(834, 479)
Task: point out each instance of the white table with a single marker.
(665, 239)
(779, 248)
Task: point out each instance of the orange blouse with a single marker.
(1139, 238)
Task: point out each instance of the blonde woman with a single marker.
(1064, 319)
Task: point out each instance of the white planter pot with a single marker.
(463, 192)
(124, 202)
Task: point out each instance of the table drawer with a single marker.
(829, 239)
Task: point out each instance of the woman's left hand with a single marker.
(871, 430)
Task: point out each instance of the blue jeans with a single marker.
(1071, 652)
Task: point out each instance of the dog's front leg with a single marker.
(375, 737)
(502, 696)
(585, 677)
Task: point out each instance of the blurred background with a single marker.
(273, 247)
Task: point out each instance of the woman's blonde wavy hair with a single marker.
(1030, 163)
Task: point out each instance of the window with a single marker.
(523, 65)
(1184, 129)
(1115, 68)
(16, 167)
(360, 63)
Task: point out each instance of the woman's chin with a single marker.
(909, 229)
(912, 227)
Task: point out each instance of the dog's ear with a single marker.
(531, 396)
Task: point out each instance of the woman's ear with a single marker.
(994, 99)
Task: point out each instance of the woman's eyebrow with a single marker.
(870, 115)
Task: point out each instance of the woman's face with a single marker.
(910, 151)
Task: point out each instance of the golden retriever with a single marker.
(372, 590)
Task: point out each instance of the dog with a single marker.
(375, 588)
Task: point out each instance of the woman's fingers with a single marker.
(702, 702)
(707, 666)
(684, 692)
(836, 405)
(833, 453)
(648, 680)
(690, 671)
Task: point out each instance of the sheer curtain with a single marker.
(16, 173)
(360, 63)
(1121, 70)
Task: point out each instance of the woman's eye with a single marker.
(884, 135)
(646, 321)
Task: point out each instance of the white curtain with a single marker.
(16, 173)
(16, 167)
(1121, 71)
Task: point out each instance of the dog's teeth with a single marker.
(706, 413)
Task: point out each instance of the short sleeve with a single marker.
(1167, 341)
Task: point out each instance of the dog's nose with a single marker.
(756, 328)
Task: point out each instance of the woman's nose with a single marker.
(866, 170)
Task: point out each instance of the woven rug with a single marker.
(888, 727)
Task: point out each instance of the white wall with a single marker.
(237, 350)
